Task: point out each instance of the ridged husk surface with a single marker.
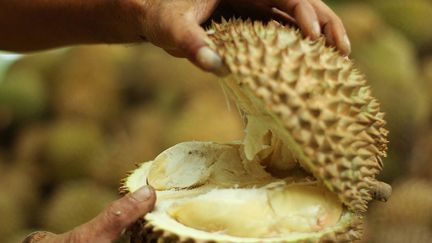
(332, 123)
(314, 102)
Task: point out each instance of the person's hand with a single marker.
(108, 225)
(174, 25)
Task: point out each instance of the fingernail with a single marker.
(210, 60)
(316, 28)
(143, 194)
(347, 44)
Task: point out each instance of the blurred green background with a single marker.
(74, 121)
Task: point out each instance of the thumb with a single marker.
(189, 37)
(120, 214)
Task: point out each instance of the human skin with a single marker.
(108, 225)
(174, 25)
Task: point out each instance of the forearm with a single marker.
(27, 25)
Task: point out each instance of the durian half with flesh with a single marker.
(306, 168)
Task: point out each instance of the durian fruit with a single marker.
(45, 63)
(73, 204)
(71, 147)
(29, 142)
(427, 70)
(388, 59)
(146, 77)
(400, 234)
(18, 236)
(12, 216)
(411, 203)
(305, 170)
(362, 29)
(390, 64)
(420, 163)
(204, 117)
(411, 17)
(427, 77)
(140, 138)
(407, 217)
(89, 84)
(20, 183)
(22, 95)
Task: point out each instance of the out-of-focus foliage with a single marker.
(73, 122)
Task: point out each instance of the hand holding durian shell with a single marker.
(175, 25)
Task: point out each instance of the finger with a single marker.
(304, 14)
(120, 214)
(189, 38)
(175, 52)
(283, 17)
(329, 35)
(333, 27)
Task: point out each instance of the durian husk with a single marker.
(348, 228)
(145, 232)
(313, 100)
(319, 101)
(386, 56)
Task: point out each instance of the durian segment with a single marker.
(320, 103)
(235, 212)
(238, 207)
(263, 212)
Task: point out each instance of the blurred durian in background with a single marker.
(74, 121)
